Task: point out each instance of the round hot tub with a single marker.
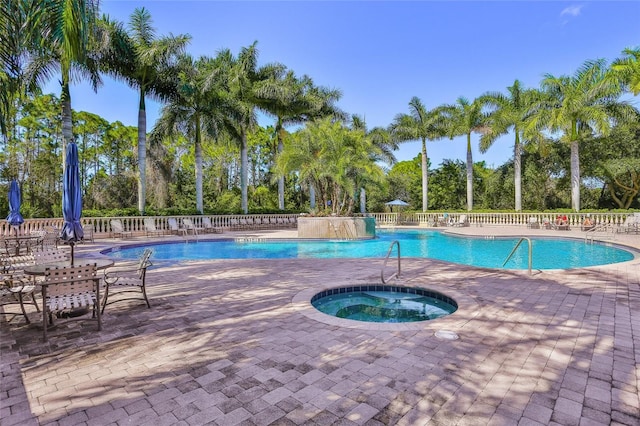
(384, 303)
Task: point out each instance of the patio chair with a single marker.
(50, 255)
(51, 237)
(15, 289)
(150, 228)
(127, 279)
(208, 226)
(67, 290)
(117, 229)
(174, 228)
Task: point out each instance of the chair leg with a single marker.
(24, 312)
(104, 301)
(144, 293)
(96, 306)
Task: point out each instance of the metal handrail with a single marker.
(395, 274)
(589, 234)
(516, 248)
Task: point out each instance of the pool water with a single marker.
(550, 253)
(397, 304)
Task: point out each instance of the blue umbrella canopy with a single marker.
(14, 218)
(397, 202)
(71, 198)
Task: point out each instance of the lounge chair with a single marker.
(533, 223)
(88, 233)
(462, 221)
(561, 223)
(631, 224)
(190, 226)
(174, 228)
(117, 229)
(127, 279)
(587, 224)
(150, 228)
(67, 289)
(208, 226)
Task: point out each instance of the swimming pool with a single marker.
(549, 253)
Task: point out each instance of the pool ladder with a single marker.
(516, 248)
(397, 273)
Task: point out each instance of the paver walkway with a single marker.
(234, 342)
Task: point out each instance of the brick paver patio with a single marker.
(236, 342)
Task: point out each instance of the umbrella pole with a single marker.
(72, 253)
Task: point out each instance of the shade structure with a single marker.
(71, 199)
(397, 202)
(15, 200)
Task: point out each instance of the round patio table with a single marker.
(40, 268)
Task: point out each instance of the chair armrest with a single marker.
(112, 274)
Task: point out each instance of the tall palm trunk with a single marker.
(67, 123)
(575, 176)
(198, 155)
(312, 196)
(279, 131)
(469, 174)
(425, 176)
(244, 165)
(517, 170)
(142, 153)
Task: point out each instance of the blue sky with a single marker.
(381, 53)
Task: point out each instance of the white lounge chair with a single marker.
(631, 224)
(462, 221)
(174, 228)
(117, 229)
(150, 228)
(190, 226)
(208, 226)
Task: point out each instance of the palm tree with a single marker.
(15, 45)
(65, 29)
(293, 101)
(420, 124)
(197, 110)
(150, 65)
(578, 105)
(382, 148)
(245, 78)
(465, 118)
(509, 113)
(332, 158)
(628, 68)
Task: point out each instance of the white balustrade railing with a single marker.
(135, 224)
(496, 219)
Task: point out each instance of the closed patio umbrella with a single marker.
(15, 218)
(71, 199)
